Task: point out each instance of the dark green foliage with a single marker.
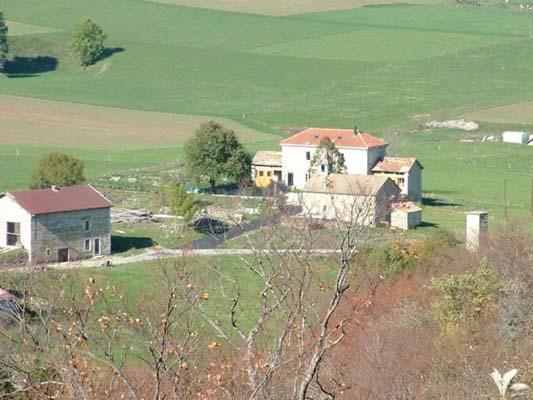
(215, 153)
(4, 48)
(334, 155)
(56, 169)
(181, 203)
(87, 42)
(465, 296)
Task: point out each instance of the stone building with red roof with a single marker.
(56, 224)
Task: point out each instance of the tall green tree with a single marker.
(214, 153)
(56, 169)
(337, 163)
(4, 48)
(87, 42)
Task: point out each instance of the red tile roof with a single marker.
(341, 138)
(396, 164)
(73, 198)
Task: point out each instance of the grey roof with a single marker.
(267, 158)
(363, 185)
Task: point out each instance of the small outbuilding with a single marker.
(56, 224)
(266, 168)
(358, 199)
(515, 137)
(406, 172)
(406, 216)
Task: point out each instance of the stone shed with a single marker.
(406, 216)
(56, 224)
(358, 199)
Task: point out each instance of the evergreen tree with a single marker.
(335, 157)
(181, 203)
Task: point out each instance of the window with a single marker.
(260, 173)
(13, 233)
(290, 179)
(87, 225)
(401, 182)
(48, 253)
(268, 173)
(325, 208)
(307, 155)
(97, 247)
(306, 177)
(323, 168)
(87, 245)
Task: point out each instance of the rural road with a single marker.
(153, 255)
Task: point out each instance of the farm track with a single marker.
(155, 255)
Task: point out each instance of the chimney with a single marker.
(476, 229)
(355, 130)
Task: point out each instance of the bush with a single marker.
(439, 240)
(181, 203)
(465, 296)
(388, 261)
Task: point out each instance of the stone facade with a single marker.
(68, 230)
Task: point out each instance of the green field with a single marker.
(376, 67)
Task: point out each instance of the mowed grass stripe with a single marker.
(18, 28)
(519, 113)
(278, 7)
(27, 121)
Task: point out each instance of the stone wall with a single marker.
(51, 232)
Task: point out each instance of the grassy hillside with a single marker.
(379, 67)
(374, 66)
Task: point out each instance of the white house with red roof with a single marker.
(361, 152)
(56, 224)
(406, 172)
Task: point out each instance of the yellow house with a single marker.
(266, 168)
(405, 172)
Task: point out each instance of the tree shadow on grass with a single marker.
(109, 51)
(25, 67)
(121, 244)
(432, 202)
(428, 224)
(209, 226)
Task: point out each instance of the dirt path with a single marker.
(153, 255)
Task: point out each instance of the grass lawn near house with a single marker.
(140, 282)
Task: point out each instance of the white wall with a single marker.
(294, 161)
(10, 211)
(515, 137)
(358, 161)
(413, 183)
(357, 210)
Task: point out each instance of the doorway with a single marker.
(62, 255)
(96, 247)
(290, 179)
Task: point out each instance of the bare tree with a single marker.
(300, 289)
